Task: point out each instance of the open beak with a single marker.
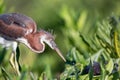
(54, 47)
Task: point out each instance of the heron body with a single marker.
(17, 28)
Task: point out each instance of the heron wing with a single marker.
(11, 31)
(20, 20)
(14, 25)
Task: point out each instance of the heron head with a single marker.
(48, 38)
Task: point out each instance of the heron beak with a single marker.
(59, 53)
(53, 45)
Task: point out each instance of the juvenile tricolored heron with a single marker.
(17, 28)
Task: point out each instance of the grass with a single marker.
(93, 51)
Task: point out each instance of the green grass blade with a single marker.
(2, 55)
(5, 74)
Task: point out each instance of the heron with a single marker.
(17, 28)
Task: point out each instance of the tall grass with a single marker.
(93, 46)
(95, 52)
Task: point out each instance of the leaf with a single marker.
(48, 72)
(91, 71)
(84, 77)
(67, 16)
(115, 31)
(109, 66)
(43, 76)
(5, 74)
(82, 19)
(32, 76)
(117, 43)
(72, 72)
(103, 71)
(77, 56)
(2, 7)
(96, 56)
(2, 55)
(23, 75)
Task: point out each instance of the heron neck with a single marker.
(34, 43)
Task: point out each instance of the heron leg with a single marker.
(13, 58)
(14, 63)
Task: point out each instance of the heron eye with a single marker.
(53, 44)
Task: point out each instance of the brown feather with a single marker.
(11, 31)
(15, 25)
(34, 42)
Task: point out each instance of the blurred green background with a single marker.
(66, 18)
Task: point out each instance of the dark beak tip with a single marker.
(59, 53)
